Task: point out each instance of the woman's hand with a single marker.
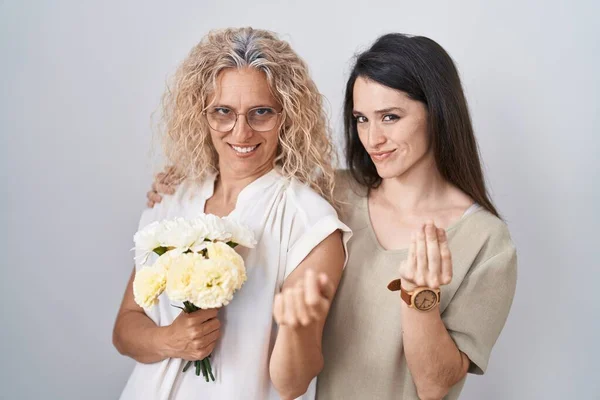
(192, 336)
(429, 262)
(165, 182)
(305, 303)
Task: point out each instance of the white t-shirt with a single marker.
(288, 219)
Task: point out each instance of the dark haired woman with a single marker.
(423, 223)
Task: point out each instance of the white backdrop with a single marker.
(78, 85)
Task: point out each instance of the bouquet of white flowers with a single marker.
(197, 265)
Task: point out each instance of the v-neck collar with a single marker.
(256, 186)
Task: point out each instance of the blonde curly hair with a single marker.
(305, 151)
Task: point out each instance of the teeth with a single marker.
(244, 149)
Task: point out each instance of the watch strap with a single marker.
(395, 285)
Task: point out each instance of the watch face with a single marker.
(425, 300)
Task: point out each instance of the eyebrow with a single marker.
(249, 108)
(383, 110)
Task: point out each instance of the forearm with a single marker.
(137, 336)
(433, 359)
(296, 359)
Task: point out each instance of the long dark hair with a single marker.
(422, 69)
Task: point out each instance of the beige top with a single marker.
(362, 343)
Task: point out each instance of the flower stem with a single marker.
(201, 365)
(187, 366)
(204, 373)
(209, 368)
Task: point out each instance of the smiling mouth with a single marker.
(379, 156)
(243, 150)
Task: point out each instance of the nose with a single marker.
(241, 131)
(375, 136)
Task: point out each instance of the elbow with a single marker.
(117, 341)
(289, 390)
(434, 389)
(436, 385)
(431, 392)
(294, 387)
(292, 394)
(317, 368)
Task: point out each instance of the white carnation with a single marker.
(213, 283)
(148, 284)
(217, 228)
(146, 239)
(179, 275)
(220, 251)
(178, 233)
(199, 225)
(240, 233)
(166, 260)
(189, 276)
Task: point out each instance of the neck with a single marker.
(230, 183)
(419, 188)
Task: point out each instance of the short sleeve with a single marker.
(313, 221)
(478, 311)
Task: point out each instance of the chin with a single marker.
(249, 166)
(390, 172)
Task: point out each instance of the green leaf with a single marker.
(189, 307)
(161, 250)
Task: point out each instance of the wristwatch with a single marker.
(421, 298)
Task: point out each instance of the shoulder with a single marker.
(487, 234)
(346, 187)
(309, 220)
(484, 259)
(351, 197)
(306, 203)
(173, 205)
(486, 223)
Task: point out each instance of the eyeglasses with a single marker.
(260, 119)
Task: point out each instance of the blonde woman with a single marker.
(244, 125)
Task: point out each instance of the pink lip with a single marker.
(381, 155)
